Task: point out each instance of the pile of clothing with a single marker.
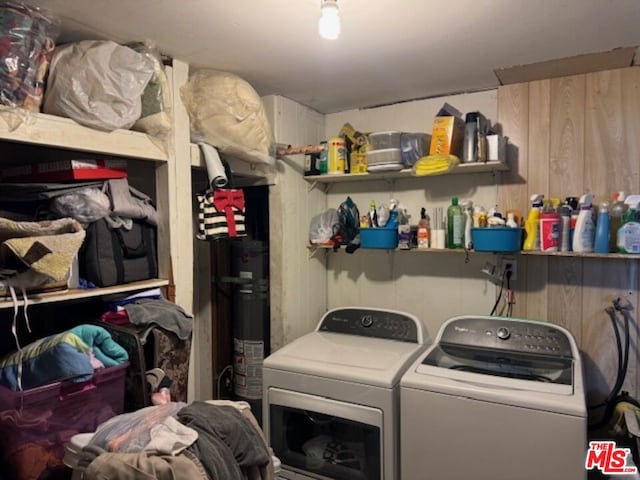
(216, 439)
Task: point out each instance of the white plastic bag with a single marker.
(87, 205)
(226, 112)
(97, 83)
(323, 227)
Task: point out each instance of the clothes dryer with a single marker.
(495, 399)
(331, 397)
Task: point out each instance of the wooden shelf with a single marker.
(57, 132)
(76, 294)
(611, 256)
(485, 167)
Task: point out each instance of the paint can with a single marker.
(337, 155)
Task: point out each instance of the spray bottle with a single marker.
(532, 225)
(616, 218)
(629, 232)
(583, 235)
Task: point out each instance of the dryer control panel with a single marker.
(371, 323)
(509, 335)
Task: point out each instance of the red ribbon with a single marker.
(226, 200)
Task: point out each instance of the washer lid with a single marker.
(352, 358)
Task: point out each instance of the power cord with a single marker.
(615, 396)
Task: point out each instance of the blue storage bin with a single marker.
(496, 239)
(378, 237)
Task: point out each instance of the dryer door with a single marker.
(317, 437)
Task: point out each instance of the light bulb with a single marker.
(329, 23)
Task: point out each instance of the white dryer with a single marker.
(331, 397)
(495, 399)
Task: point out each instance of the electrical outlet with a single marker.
(512, 265)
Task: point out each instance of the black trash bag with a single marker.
(347, 231)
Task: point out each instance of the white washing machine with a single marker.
(495, 399)
(331, 397)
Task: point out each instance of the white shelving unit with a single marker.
(165, 160)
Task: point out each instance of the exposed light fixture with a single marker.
(329, 23)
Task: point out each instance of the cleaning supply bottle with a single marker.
(565, 219)
(423, 229)
(601, 244)
(532, 225)
(573, 218)
(629, 232)
(549, 228)
(511, 220)
(583, 235)
(455, 225)
(616, 218)
(468, 223)
(373, 214)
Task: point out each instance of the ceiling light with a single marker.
(329, 24)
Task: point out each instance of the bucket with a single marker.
(72, 453)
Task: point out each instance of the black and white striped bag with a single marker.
(221, 214)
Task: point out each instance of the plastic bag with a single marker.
(97, 83)
(348, 223)
(226, 112)
(86, 205)
(156, 113)
(323, 227)
(27, 36)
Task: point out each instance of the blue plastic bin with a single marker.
(379, 238)
(496, 239)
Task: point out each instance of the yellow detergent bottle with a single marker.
(532, 225)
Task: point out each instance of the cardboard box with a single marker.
(65, 170)
(496, 148)
(447, 133)
(578, 64)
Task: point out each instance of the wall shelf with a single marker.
(485, 167)
(612, 256)
(57, 132)
(78, 294)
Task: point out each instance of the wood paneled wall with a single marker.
(569, 136)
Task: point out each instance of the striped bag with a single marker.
(221, 214)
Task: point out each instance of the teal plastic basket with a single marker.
(496, 239)
(379, 238)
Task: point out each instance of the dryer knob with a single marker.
(366, 321)
(503, 333)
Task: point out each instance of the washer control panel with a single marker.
(509, 335)
(371, 323)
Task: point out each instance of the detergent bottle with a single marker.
(583, 235)
(549, 227)
(603, 222)
(532, 225)
(629, 232)
(468, 223)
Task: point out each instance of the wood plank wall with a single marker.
(569, 136)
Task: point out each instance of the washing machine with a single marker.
(331, 397)
(495, 399)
